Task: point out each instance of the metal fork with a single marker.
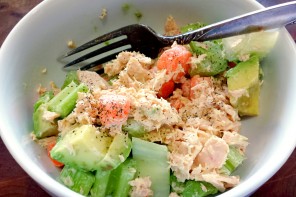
(143, 39)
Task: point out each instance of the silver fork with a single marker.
(143, 39)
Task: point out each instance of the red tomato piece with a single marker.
(171, 58)
(166, 89)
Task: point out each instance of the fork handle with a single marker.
(264, 19)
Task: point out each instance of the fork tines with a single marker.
(113, 43)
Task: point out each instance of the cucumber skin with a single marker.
(118, 185)
(99, 188)
(77, 180)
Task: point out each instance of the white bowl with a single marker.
(42, 35)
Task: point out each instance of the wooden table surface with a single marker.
(15, 182)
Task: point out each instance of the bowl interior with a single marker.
(41, 37)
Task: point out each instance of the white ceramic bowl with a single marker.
(42, 35)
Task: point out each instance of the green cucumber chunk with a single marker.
(64, 102)
(99, 188)
(83, 147)
(152, 161)
(43, 99)
(134, 128)
(234, 159)
(71, 76)
(119, 150)
(211, 62)
(77, 179)
(198, 189)
(118, 185)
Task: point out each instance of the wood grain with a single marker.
(15, 182)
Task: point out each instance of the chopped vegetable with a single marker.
(55, 162)
(166, 89)
(64, 102)
(175, 60)
(152, 161)
(77, 180)
(234, 159)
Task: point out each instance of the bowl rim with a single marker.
(54, 188)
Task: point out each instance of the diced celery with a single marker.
(43, 128)
(198, 189)
(71, 76)
(64, 102)
(134, 128)
(118, 185)
(99, 188)
(234, 159)
(152, 161)
(43, 99)
(77, 180)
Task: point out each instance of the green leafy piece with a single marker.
(99, 188)
(191, 27)
(71, 76)
(234, 159)
(152, 161)
(77, 180)
(64, 102)
(134, 128)
(43, 99)
(118, 185)
(125, 7)
(211, 59)
(198, 189)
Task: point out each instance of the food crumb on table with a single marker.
(103, 13)
(71, 44)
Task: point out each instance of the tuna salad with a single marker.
(168, 126)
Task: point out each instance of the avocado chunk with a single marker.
(119, 150)
(83, 147)
(42, 127)
(242, 46)
(77, 179)
(244, 86)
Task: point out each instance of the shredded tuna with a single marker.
(141, 187)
